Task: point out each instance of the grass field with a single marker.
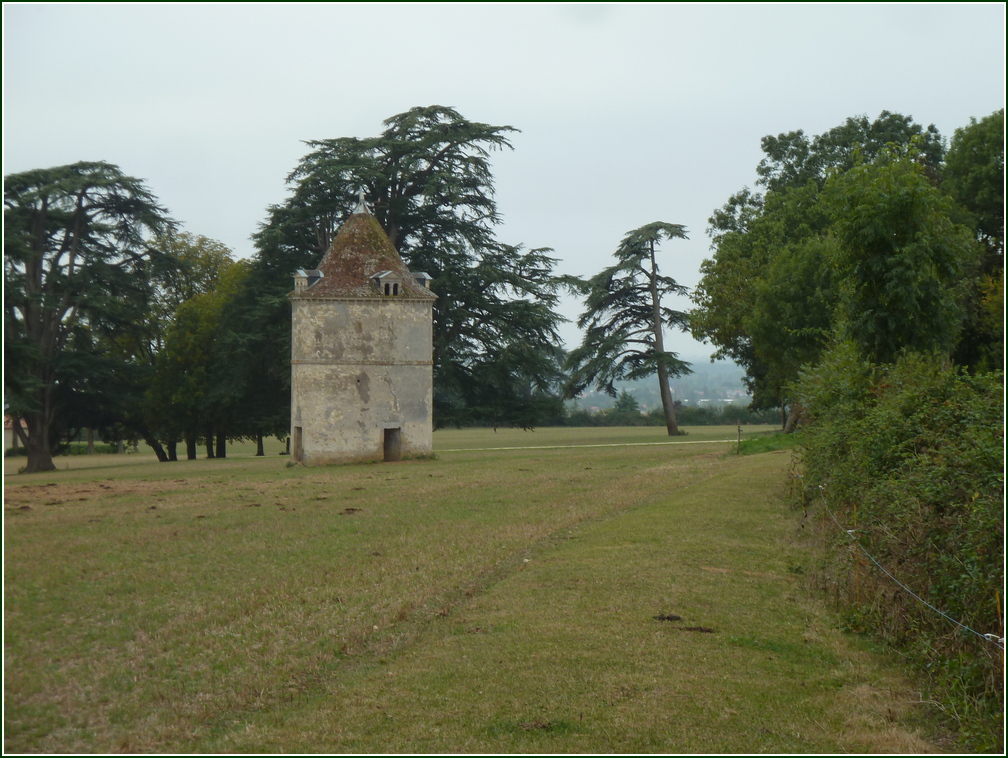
(501, 597)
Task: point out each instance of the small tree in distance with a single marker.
(624, 318)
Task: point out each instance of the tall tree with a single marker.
(765, 299)
(203, 266)
(429, 180)
(974, 176)
(900, 258)
(624, 319)
(257, 388)
(767, 295)
(77, 269)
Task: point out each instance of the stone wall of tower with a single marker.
(360, 367)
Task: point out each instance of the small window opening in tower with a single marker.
(387, 288)
(395, 288)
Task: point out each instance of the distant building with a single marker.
(361, 352)
(10, 437)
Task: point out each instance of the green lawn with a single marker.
(499, 598)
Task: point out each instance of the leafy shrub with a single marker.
(914, 454)
(100, 448)
(70, 448)
(692, 415)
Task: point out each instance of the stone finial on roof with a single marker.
(362, 206)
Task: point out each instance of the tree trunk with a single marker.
(37, 444)
(19, 433)
(90, 441)
(221, 445)
(259, 445)
(668, 405)
(159, 451)
(172, 450)
(190, 447)
(795, 417)
(209, 443)
(656, 324)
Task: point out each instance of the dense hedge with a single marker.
(918, 449)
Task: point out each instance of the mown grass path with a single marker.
(487, 601)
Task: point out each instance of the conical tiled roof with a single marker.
(360, 251)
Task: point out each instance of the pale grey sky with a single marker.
(628, 113)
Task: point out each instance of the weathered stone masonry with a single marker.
(361, 352)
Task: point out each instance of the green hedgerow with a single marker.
(917, 448)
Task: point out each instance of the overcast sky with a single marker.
(628, 114)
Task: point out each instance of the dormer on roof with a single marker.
(423, 279)
(305, 279)
(388, 283)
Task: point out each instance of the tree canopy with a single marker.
(191, 384)
(792, 159)
(428, 178)
(974, 176)
(854, 229)
(78, 267)
(764, 299)
(899, 258)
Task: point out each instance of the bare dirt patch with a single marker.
(38, 495)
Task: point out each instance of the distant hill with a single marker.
(719, 382)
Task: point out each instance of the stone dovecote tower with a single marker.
(361, 352)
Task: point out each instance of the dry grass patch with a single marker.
(876, 713)
(499, 602)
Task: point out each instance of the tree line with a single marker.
(116, 320)
(861, 286)
(875, 233)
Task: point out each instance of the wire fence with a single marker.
(996, 639)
